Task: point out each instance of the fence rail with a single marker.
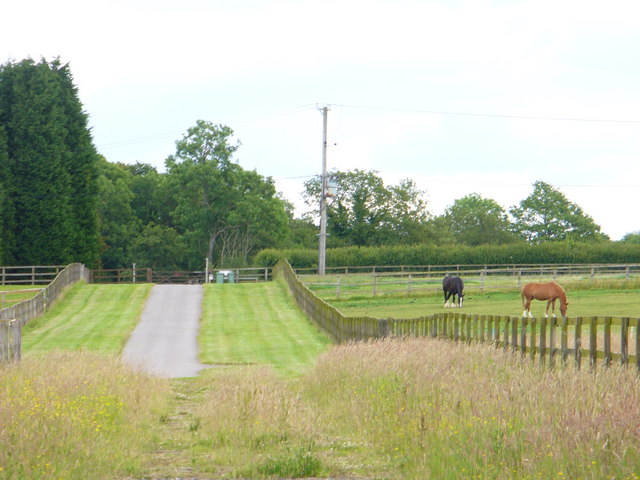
(424, 279)
(605, 339)
(31, 275)
(440, 270)
(13, 318)
(148, 275)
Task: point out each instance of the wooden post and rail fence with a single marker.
(346, 282)
(548, 340)
(598, 339)
(14, 317)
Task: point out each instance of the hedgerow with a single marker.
(425, 254)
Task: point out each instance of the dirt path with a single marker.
(164, 342)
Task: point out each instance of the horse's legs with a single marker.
(446, 298)
(526, 303)
(527, 307)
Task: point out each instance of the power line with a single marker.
(301, 108)
(240, 121)
(489, 115)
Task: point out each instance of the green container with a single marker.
(225, 276)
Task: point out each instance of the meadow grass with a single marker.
(435, 409)
(89, 317)
(298, 407)
(75, 415)
(257, 324)
(412, 409)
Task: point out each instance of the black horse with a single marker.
(453, 286)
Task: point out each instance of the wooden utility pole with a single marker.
(323, 197)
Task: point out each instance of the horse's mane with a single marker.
(563, 294)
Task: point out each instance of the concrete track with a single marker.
(164, 342)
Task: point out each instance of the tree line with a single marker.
(60, 201)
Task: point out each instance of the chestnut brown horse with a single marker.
(550, 292)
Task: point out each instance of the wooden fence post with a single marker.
(552, 340)
(523, 337)
(564, 347)
(543, 340)
(578, 343)
(607, 341)
(636, 334)
(624, 341)
(593, 341)
(514, 334)
(383, 328)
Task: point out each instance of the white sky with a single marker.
(461, 96)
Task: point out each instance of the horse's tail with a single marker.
(522, 297)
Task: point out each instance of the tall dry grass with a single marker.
(436, 409)
(257, 426)
(422, 408)
(75, 416)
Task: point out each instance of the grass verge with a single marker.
(257, 324)
(90, 317)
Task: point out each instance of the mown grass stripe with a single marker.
(89, 317)
(257, 324)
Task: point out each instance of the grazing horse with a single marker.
(550, 292)
(453, 286)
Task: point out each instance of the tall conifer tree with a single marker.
(6, 231)
(51, 162)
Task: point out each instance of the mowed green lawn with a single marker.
(241, 324)
(585, 303)
(257, 324)
(89, 317)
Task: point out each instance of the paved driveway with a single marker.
(164, 342)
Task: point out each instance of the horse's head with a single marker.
(563, 308)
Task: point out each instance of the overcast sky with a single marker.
(462, 96)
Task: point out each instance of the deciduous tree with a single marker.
(547, 215)
(216, 198)
(474, 220)
(365, 211)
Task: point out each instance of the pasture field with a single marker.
(585, 303)
(12, 294)
(392, 409)
(361, 285)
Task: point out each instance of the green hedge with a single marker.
(551, 252)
